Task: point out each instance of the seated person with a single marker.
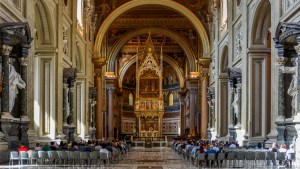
(37, 147)
(86, 149)
(46, 147)
(22, 148)
(291, 150)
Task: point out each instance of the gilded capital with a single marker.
(6, 49)
(203, 75)
(99, 62)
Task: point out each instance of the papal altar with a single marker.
(149, 104)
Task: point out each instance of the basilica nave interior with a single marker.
(136, 69)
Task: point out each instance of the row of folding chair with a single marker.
(62, 157)
(235, 158)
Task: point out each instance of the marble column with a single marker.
(182, 101)
(65, 102)
(281, 62)
(110, 94)
(23, 93)
(72, 117)
(6, 49)
(193, 91)
(239, 93)
(204, 107)
(99, 116)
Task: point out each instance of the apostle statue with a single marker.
(15, 83)
(293, 89)
(235, 105)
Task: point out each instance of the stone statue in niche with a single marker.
(65, 41)
(15, 83)
(293, 89)
(235, 105)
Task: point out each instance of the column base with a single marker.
(60, 136)
(32, 138)
(272, 138)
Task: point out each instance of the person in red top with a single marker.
(22, 148)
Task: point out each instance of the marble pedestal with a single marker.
(92, 133)
(14, 133)
(232, 133)
(68, 131)
(236, 134)
(211, 134)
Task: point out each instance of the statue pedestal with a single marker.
(66, 131)
(236, 134)
(272, 138)
(232, 133)
(211, 134)
(92, 132)
(32, 138)
(14, 132)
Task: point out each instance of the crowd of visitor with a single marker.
(110, 147)
(193, 147)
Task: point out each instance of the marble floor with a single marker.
(139, 158)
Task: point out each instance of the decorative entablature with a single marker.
(287, 32)
(15, 33)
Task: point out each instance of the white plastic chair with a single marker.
(104, 157)
(73, 156)
(24, 156)
(34, 156)
(14, 156)
(43, 157)
(63, 156)
(94, 157)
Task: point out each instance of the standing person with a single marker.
(22, 148)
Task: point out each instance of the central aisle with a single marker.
(154, 158)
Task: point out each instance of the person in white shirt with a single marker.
(291, 150)
(232, 145)
(37, 147)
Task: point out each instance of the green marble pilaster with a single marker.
(6, 49)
